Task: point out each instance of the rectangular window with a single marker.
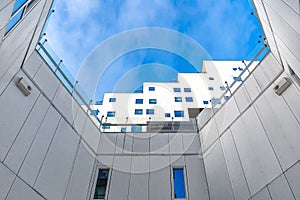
(211, 78)
(178, 99)
(176, 89)
(101, 185)
(150, 111)
(151, 88)
(210, 88)
(167, 115)
(187, 90)
(112, 99)
(139, 101)
(205, 102)
(138, 111)
(178, 113)
(237, 78)
(189, 99)
(152, 101)
(106, 126)
(215, 101)
(179, 183)
(222, 88)
(241, 69)
(13, 21)
(111, 114)
(136, 129)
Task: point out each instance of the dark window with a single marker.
(139, 101)
(189, 99)
(211, 78)
(151, 88)
(178, 182)
(226, 98)
(222, 88)
(178, 99)
(111, 113)
(210, 88)
(234, 69)
(241, 69)
(187, 89)
(106, 126)
(178, 113)
(150, 111)
(152, 101)
(138, 111)
(205, 102)
(237, 78)
(101, 184)
(112, 99)
(167, 115)
(176, 89)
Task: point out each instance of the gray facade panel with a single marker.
(293, 177)
(279, 189)
(9, 178)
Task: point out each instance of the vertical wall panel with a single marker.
(159, 183)
(293, 177)
(8, 177)
(279, 189)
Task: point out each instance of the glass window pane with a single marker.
(176, 90)
(187, 90)
(138, 111)
(101, 184)
(150, 111)
(152, 101)
(167, 115)
(18, 4)
(136, 129)
(179, 185)
(13, 21)
(179, 113)
(112, 99)
(111, 114)
(151, 88)
(189, 99)
(178, 99)
(139, 101)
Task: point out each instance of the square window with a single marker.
(138, 111)
(151, 88)
(150, 111)
(189, 99)
(152, 101)
(179, 183)
(139, 101)
(187, 89)
(123, 130)
(178, 99)
(167, 115)
(176, 89)
(210, 88)
(211, 78)
(101, 184)
(179, 113)
(222, 88)
(112, 99)
(205, 102)
(111, 114)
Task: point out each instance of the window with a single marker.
(211, 78)
(187, 90)
(99, 102)
(241, 69)
(210, 88)
(112, 99)
(215, 101)
(111, 113)
(176, 89)
(178, 99)
(106, 126)
(150, 111)
(189, 99)
(179, 183)
(234, 69)
(95, 112)
(151, 88)
(237, 78)
(167, 115)
(222, 88)
(136, 129)
(123, 130)
(101, 185)
(179, 113)
(139, 101)
(205, 102)
(138, 111)
(152, 101)
(21, 7)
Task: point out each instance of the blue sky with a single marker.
(224, 28)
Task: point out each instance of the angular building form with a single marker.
(53, 147)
